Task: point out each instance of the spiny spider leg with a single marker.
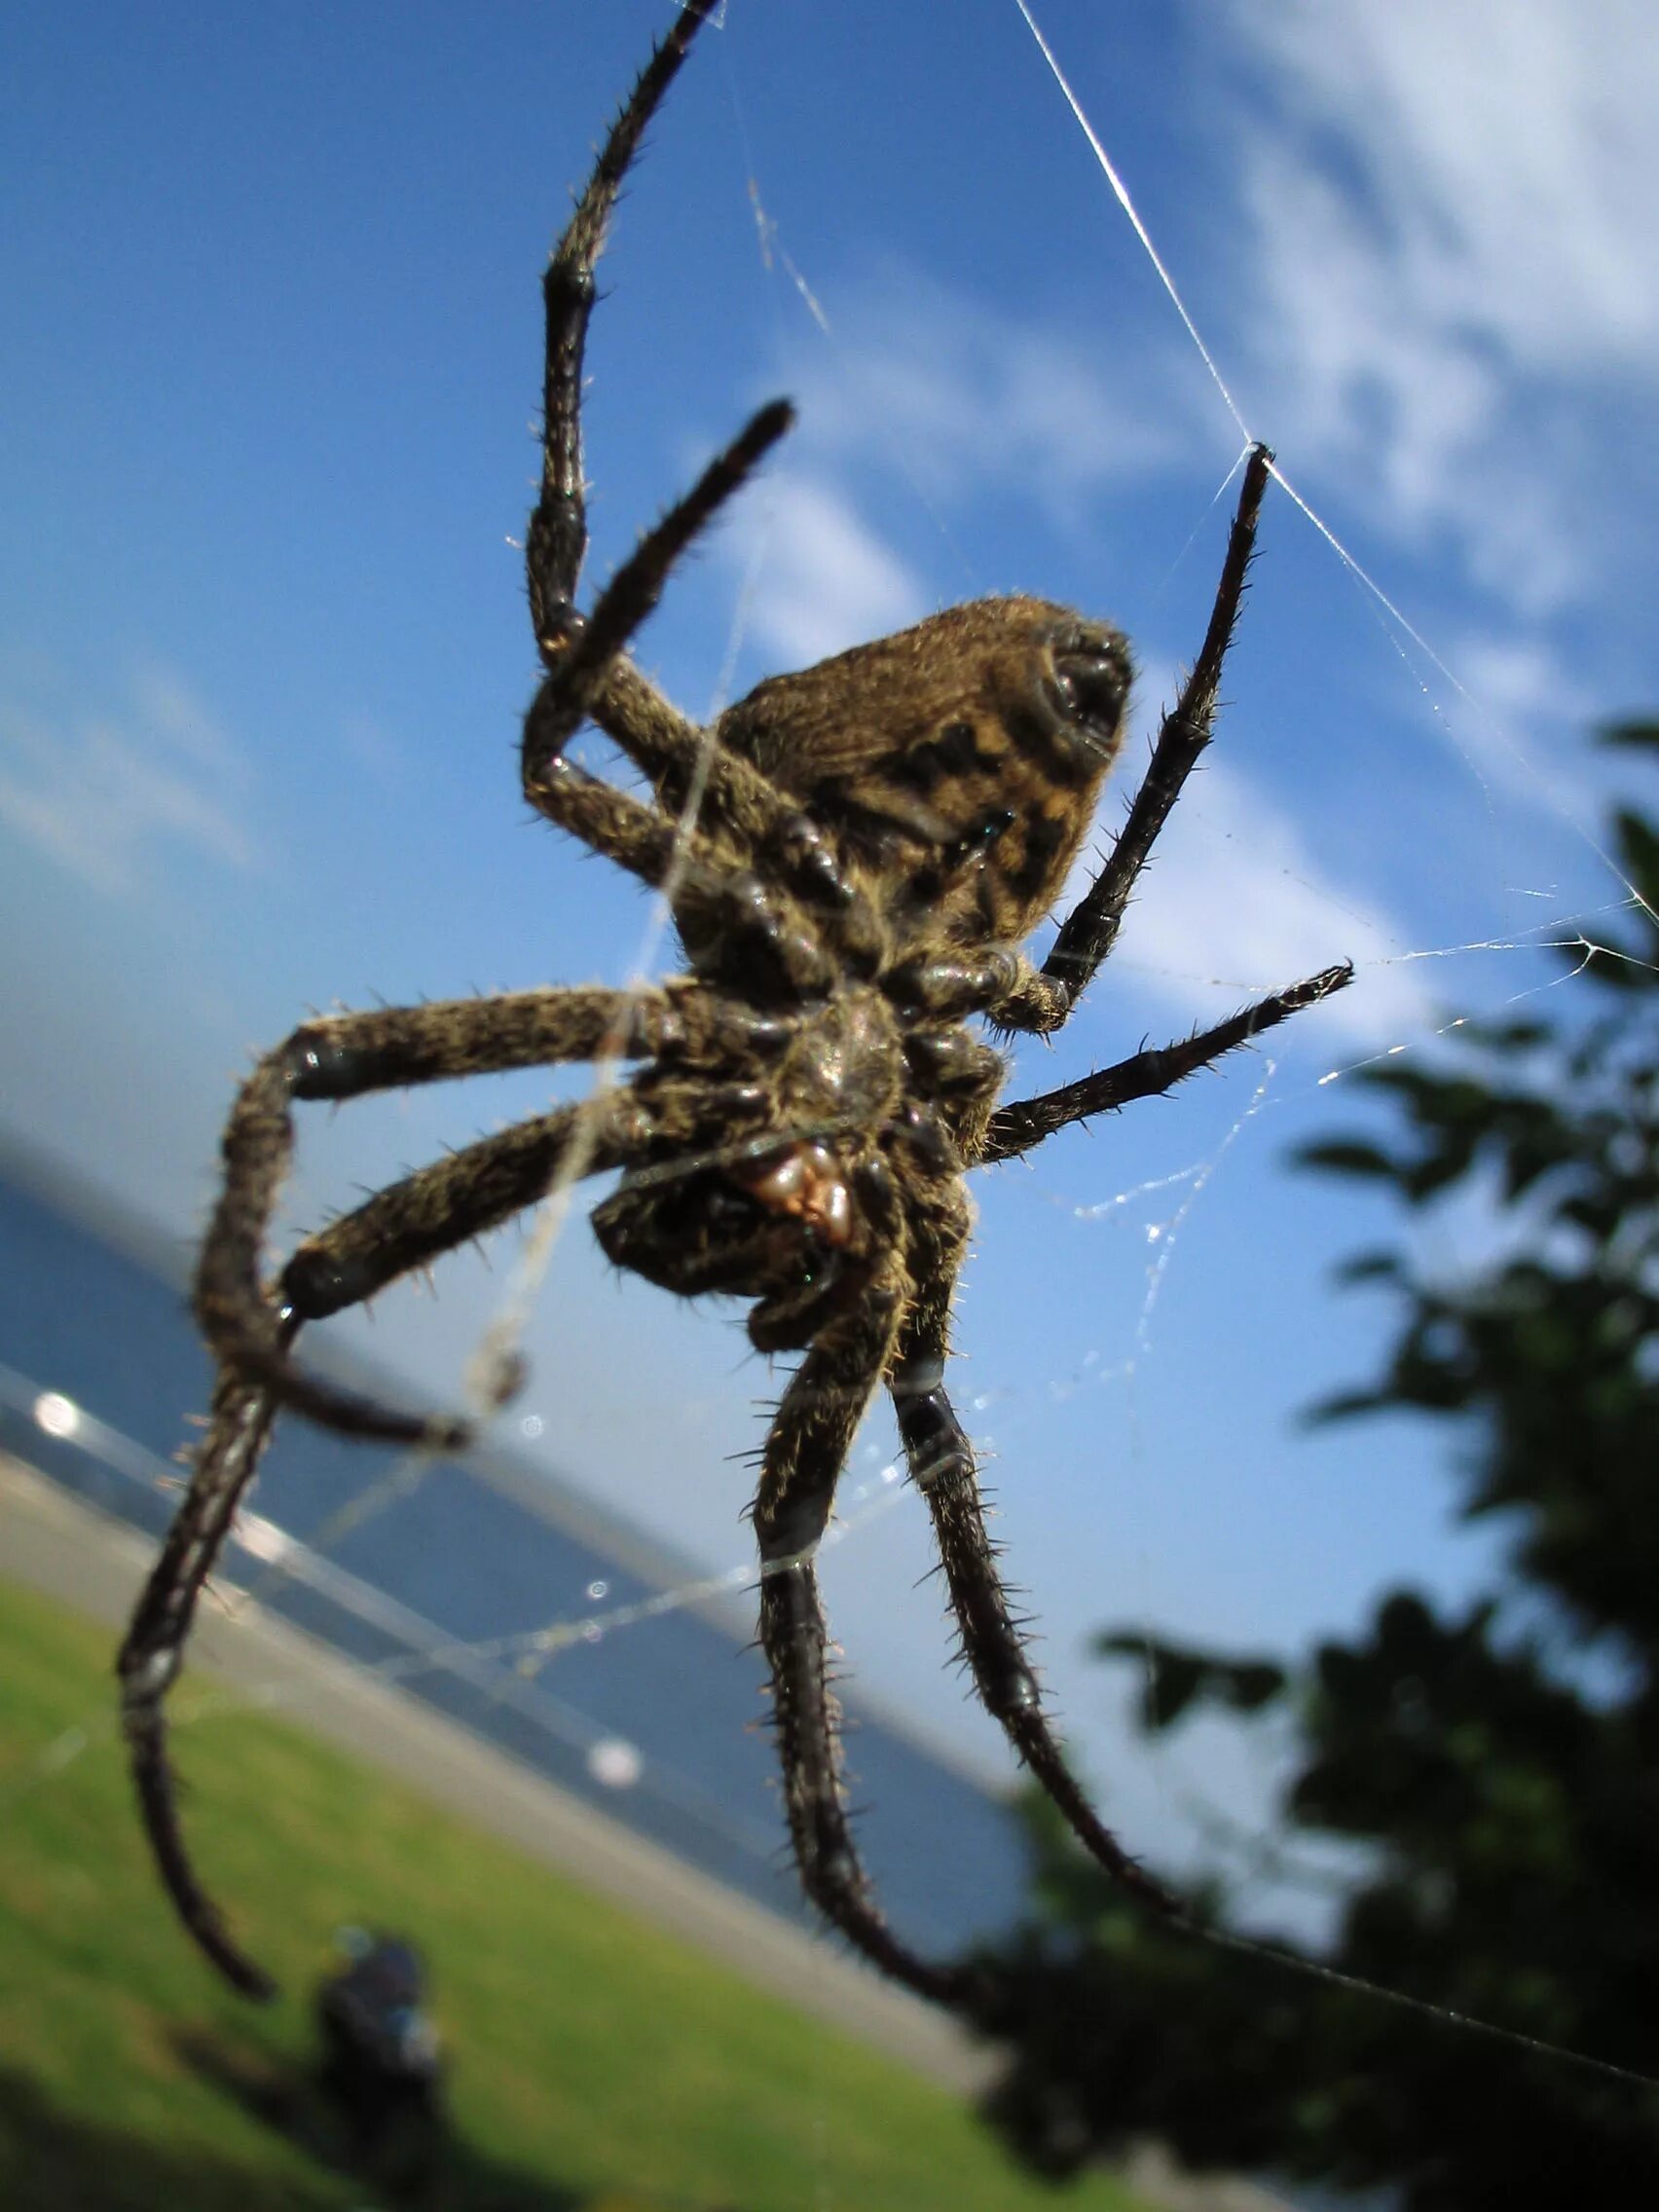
(587, 678)
(556, 541)
(578, 651)
(941, 1461)
(581, 653)
(1025, 1121)
(347, 1057)
(148, 1663)
(446, 1204)
(709, 897)
(794, 1638)
(805, 1451)
(428, 1212)
(1090, 929)
(736, 799)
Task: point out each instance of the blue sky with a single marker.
(272, 357)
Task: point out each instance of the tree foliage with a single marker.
(1497, 1769)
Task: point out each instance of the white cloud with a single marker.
(960, 397)
(819, 581)
(1234, 906)
(112, 797)
(1455, 296)
(1514, 172)
(1519, 724)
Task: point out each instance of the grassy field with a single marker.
(597, 2065)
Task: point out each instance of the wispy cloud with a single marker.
(1519, 724)
(962, 397)
(1454, 297)
(822, 580)
(115, 795)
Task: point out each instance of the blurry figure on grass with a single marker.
(381, 2067)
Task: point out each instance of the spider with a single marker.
(852, 855)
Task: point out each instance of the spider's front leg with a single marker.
(556, 542)
(575, 649)
(806, 1448)
(1090, 929)
(720, 869)
(941, 1460)
(716, 876)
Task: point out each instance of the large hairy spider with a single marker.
(852, 857)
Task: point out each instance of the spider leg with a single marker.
(345, 1057)
(576, 649)
(153, 1651)
(806, 1448)
(715, 897)
(556, 541)
(586, 676)
(1025, 1121)
(941, 1460)
(766, 825)
(629, 708)
(428, 1212)
(446, 1204)
(1090, 929)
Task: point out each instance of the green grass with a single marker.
(596, 2062)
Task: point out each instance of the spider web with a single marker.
(1148, 1306)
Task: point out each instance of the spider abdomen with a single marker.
(958, 761)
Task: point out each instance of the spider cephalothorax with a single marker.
(852, 855)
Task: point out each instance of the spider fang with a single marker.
(804, 1180)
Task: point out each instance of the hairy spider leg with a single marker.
(1089, 930)
(581, 652)
(428, 1212)
(940, 1463)
(1022, 1122)
(152, 1653)
(347, 1056)
(805, 1451)
(715, 897)
(556, 542)
(685, 759)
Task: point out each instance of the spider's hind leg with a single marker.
(1090, 929)
(556, 542)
